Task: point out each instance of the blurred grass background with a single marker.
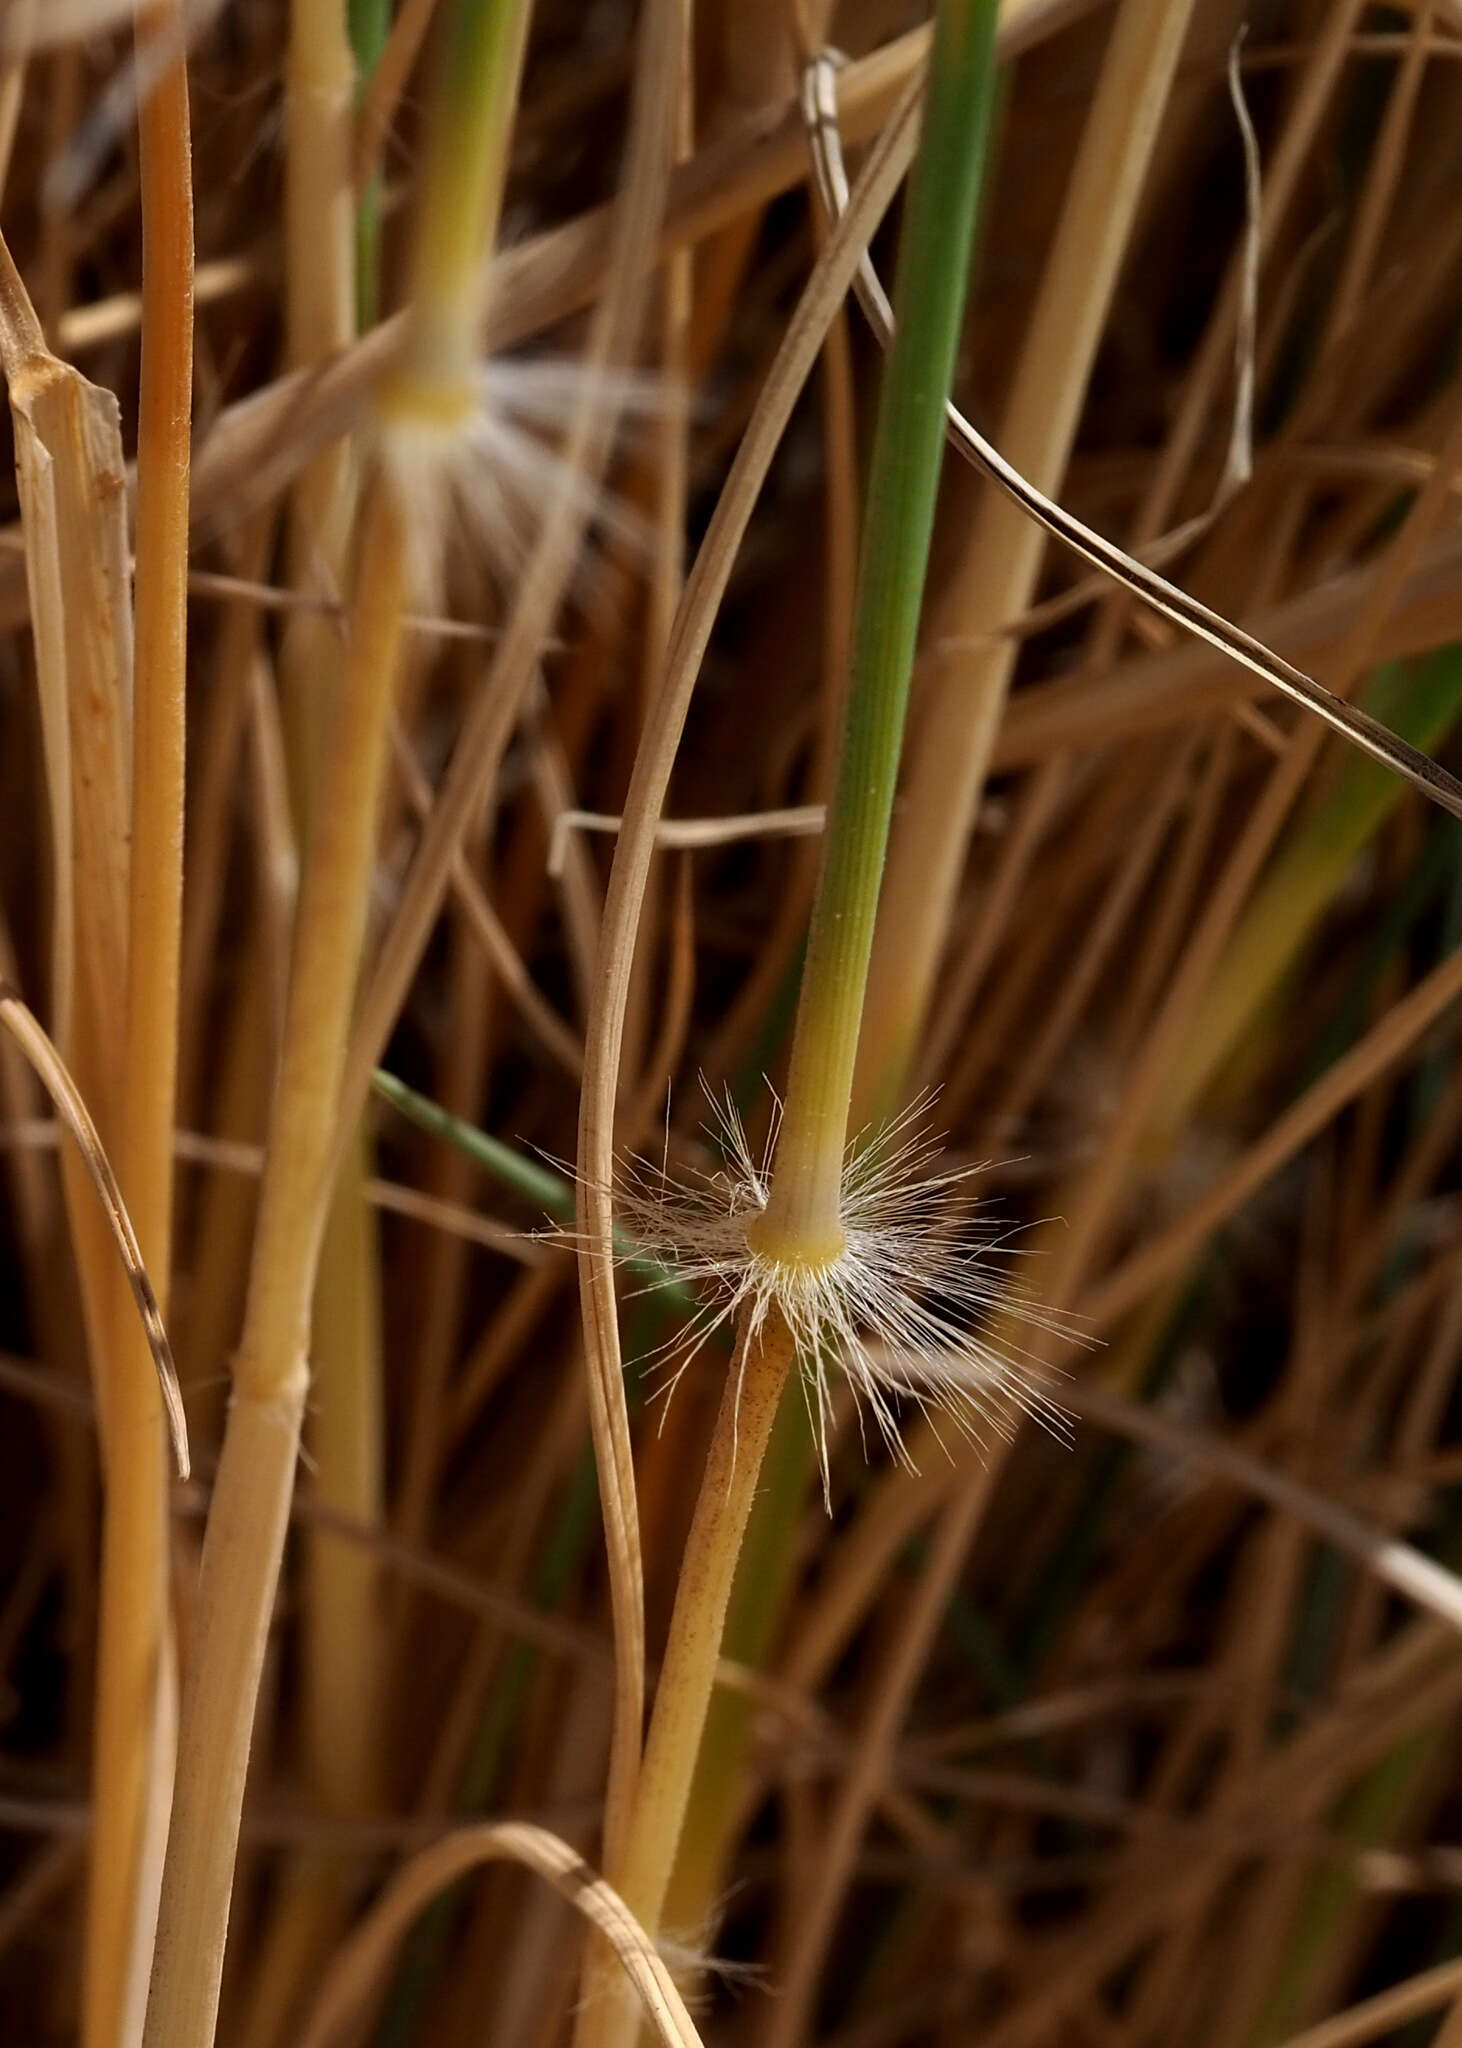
(1061, 1743)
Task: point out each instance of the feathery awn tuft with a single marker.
(903, 1311)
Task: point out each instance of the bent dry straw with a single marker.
(820, 111)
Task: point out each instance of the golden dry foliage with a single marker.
(519, 678)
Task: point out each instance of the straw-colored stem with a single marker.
(341, 1636)
(341, 1652)
(136, 1681)
(319, 320)
(163, 456)
(461, 194)
(256, 1473)
(69, 474)
(994, 583)
(743, 1426)
(319, 198)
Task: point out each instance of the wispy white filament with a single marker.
(479, 484)
(901, 1312)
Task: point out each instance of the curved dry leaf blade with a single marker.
(362, 1961)
(819, 103)
(25, 1029)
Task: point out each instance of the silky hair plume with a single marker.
(476, 474)
(906, 1312)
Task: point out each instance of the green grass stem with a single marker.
(802, 1215)
(480, 59)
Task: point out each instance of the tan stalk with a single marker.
(71, 479)
(71, 475)
(314, 1120)
(320, 320)
(224, 1220)
(341, 1611)
(956, 723)
(342, 1644)
(137, 1680)
(246, 1526)
(753, 1393)
(240, 733)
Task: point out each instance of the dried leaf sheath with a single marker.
(71, 480)
(72, 483)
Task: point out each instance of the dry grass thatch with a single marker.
(438, 443)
